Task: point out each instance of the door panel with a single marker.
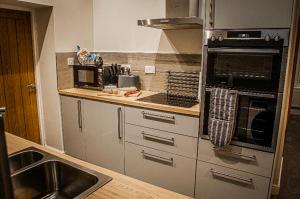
(17, 71)
(73, 134)
(239, 14)
(104, 130)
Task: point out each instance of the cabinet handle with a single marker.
(211, 12)
(242, 156)
(120, 134)
(161, 118)
(158, 139)
(158, 159)
(231, 177)
(79, 114)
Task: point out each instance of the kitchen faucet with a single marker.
(6, 191)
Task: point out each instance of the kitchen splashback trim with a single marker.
(151, 82)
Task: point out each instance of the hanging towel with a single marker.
(222, 113)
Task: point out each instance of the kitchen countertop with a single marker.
(121, 186)
(130, 101)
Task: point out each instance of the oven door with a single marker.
(244, 68)
(256, 120)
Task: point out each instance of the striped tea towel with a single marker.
(222, 113)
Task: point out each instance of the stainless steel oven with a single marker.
(252, 62)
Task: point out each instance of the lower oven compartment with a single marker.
(255, 120)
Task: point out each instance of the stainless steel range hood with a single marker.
(180, 14)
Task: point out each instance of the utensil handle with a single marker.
(158, 159)
(249, 157)
(79, 114)
(120, 134)
(232, 177)
(168, 141)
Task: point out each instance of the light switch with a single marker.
(150, 69)
(71, 61)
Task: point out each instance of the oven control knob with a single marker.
(213, 38)
(220, 38)
(267, 38)
(277, 38)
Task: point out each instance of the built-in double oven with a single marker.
(253, 62)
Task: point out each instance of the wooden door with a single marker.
(17, 78)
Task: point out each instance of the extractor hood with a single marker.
(180, 14)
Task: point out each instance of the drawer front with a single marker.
(176, 123)
(162, 140)
(215, 182)
(249, 160)
(163, 169)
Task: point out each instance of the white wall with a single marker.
(116, 30)
(73, 21)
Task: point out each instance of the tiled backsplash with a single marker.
(153, 82)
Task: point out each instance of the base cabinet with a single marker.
(73, 135)
(94, 132)
(105, 133)
(173, 172)
(215, 182)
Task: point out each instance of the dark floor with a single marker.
(290, 181)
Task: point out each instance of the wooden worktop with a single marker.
(121, 187)
(130, 101)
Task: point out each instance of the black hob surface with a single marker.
(162, 98)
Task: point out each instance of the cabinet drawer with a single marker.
(216, 182)
(249, 160)
(176, 123)
(163, 169)
(162, 140)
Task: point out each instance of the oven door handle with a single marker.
(244, 50)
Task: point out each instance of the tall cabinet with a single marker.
(240, 14)
(93, 131)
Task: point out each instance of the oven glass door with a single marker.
(244, 68)
(254, 124)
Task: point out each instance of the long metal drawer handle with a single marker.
(79, 114)
(235, 178)
(119, 123)
(169, 141)
(250, 157)
(211, 13)
(155, 158)
(147, 115)
(244, 50)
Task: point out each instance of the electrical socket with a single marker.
(150, 69)
(70, 61)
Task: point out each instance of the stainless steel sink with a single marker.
(53, 177)
(23, 159)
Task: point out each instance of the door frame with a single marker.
(37, 72)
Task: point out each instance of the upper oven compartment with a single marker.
(244, 68)
(250, 60)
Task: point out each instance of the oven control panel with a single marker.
(253, 34)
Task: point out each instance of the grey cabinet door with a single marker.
(104, 127)
(72, 125)
(239, 14)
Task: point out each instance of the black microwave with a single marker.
(86, 76)
(93, 77)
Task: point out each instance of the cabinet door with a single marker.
(214, 182)
(167, 170)
(104, 127)
(235, 14)
(72, 124)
